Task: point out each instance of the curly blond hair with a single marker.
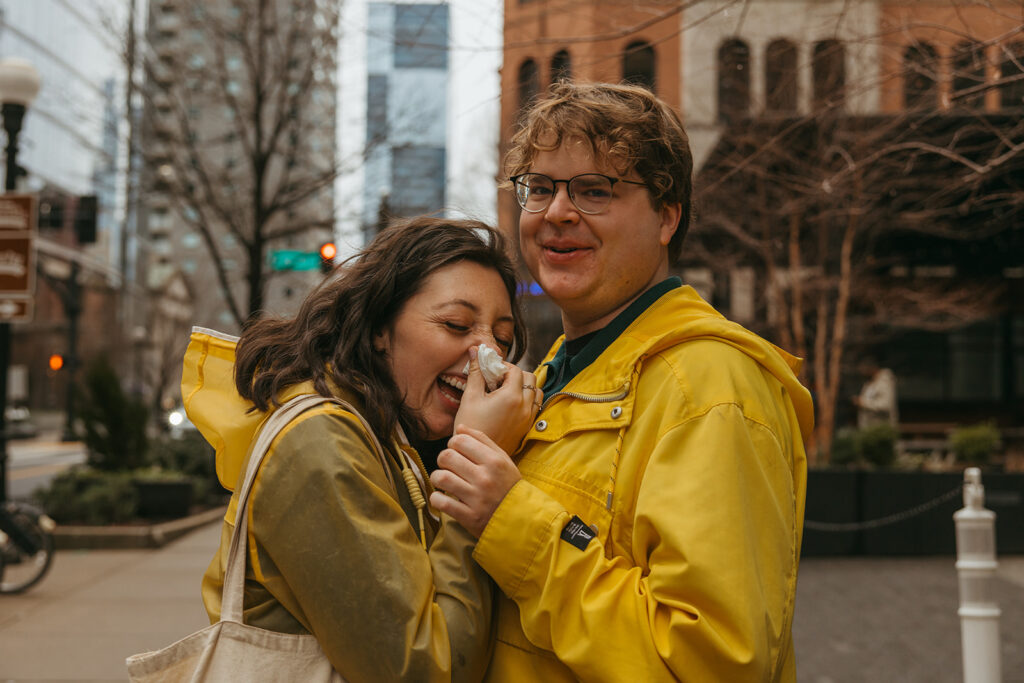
(626, 126)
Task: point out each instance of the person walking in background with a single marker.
(340, 545)
(876, 403)
(652, 529)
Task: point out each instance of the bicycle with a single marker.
(26, 546)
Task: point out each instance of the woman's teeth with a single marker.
(459, 384)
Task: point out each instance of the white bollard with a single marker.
(976, 566)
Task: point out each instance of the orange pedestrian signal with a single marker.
(56, 362)
(327, 253)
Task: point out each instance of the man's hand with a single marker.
(476, 474)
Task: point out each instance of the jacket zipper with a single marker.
(623, 393)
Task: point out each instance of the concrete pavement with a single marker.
(895, 620)
(96, 607)
(857, 619)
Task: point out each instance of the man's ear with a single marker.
(670, 214)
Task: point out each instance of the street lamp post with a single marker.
(19, 85)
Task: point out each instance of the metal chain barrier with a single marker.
(883, 521)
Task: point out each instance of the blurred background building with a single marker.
(857, 168)
(420, 98)
(70, 151)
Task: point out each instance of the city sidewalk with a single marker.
(857, 619)
(96, 607)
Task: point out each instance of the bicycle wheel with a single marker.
(26, 547)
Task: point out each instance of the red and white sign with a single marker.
(17, 256)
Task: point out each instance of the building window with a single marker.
(528, 84)
(780, 76)
(1011, 76)
(733, 81)
(561, 67)
(638, 64)
(159, 220)
(969, 75)
(421, 36)
(920, 67)
(417, 180)
(828, 73)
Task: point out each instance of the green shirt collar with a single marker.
(561, 372)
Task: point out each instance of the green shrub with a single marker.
(114, 423)
(878, 445)
(86, 496)
(191, 455)
(975, 444)
(846, 447)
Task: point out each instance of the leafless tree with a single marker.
(856, 224)
(240, 102)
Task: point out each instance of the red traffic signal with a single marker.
(56, 362)
(327, 253)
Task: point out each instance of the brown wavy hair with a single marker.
(626, 125)
(331, 337)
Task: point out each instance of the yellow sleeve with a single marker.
(337, 550)
(707, 591)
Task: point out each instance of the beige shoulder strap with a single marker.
(234, 572)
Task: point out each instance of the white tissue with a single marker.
(491, 366)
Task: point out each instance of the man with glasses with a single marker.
(652, 530)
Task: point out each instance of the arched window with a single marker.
(920, 73)
(528, 83)
(638, 62)
(828, 73)
(968, 75)
(1011, 75)
(561, 66)
(780, 76)
(733, 81)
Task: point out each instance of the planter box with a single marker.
(852, 496)
(163, 499)
(833, 497)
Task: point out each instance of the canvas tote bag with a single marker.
(229, 650)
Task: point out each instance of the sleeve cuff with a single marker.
(517, 531)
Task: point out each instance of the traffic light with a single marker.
(85, 220)
(56, 362)
(327, 253)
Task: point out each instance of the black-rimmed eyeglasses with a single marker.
(589, 192)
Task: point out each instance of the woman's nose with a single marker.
(482, 336)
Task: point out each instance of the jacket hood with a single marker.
(212, 403)
(681, 315)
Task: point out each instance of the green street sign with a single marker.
(292, 259)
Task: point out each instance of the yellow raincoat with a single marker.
(680, 449)
(333, 546)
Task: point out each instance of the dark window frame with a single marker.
(782, 90)
(828, 74)
(733, 80)
(640, 65)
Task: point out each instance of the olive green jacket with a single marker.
(334, 547)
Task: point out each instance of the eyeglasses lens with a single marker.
(589, 192)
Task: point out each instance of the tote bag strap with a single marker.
(234, 571)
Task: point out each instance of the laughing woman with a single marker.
(340, 545)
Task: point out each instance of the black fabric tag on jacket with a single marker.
(577, 533)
